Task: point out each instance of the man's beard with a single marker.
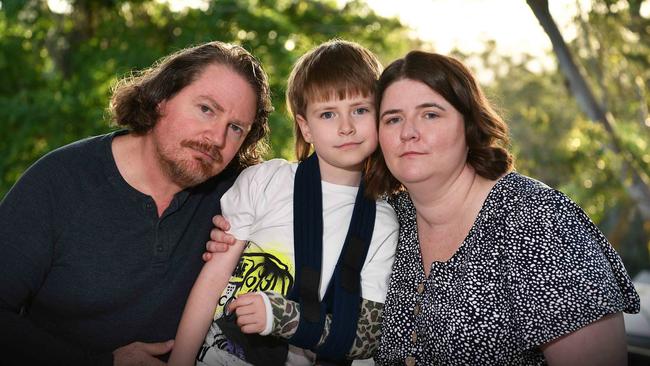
(188, 173)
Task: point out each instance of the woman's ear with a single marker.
(160, 108)
(304, 128)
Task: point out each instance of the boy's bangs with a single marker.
(335, 91)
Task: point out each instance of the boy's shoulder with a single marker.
(270, 168)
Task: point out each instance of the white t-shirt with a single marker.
(259, 207)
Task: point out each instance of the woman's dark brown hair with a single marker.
(135, 99)
(486, 133)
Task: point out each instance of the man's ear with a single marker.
(304, 128)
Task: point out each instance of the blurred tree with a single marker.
(631, 165)
(614, 94)
(58, 69)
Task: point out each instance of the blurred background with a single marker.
(575, 91)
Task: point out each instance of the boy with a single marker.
(286, 216)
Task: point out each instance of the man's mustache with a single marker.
(205, 148)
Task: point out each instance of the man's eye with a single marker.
(205, 108)
(236, 129)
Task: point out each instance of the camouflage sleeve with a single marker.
(286, 316)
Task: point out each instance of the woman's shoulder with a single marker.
(520, 195)
(401, 204)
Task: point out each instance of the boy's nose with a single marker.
(346, 127)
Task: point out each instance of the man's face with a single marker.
(203, 126)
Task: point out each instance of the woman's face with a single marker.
(421, 135)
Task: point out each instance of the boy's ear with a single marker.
(304, 128)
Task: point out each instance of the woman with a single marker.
(492, 267)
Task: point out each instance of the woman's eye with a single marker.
(327, 115)
(430, 115)
(391, 120)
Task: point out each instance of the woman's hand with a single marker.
(220, 241)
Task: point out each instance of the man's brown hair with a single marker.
(135, 99)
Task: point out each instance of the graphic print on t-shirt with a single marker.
(259, 269)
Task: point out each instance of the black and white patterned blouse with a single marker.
(532, 268)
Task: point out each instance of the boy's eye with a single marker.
(327, 115)
(361, 111)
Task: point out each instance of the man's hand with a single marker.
(141, 354)
(251, 312)
(219, 241)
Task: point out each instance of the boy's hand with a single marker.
(251, 312)
(219, 241)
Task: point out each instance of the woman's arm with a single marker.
(599, 343)
(201, 304)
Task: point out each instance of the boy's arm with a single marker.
(201, 304)
(286, 316)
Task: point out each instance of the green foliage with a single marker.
(554, 141)
(58, 69)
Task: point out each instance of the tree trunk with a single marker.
(638, 189)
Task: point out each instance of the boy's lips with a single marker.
(348, 145)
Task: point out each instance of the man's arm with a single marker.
(27, 238)
(201, 304)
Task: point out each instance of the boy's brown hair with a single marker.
(334, 69)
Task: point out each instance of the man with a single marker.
(101, 240)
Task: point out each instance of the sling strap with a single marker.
(343, 296)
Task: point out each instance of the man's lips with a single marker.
(206, 154)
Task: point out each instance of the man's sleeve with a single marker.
(27, 236)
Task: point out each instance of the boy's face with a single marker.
(344, 134)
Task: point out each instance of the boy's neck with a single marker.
(345, 177)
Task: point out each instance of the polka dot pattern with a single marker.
(532, 268)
